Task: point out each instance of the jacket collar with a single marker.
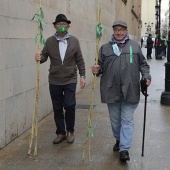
(119, 43)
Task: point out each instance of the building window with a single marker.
(125, 1)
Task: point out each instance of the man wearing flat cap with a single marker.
(65, 56)
(120, 63)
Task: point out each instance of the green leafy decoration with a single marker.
(99, 30)
(42, 13)
(41, 23)
(89, 132)
(42, 40)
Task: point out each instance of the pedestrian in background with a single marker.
(120, 63)
(65, 57)
(157, 46)
(149, 46)
(141, 42)
(164, 46)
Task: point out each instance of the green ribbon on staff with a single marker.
(42, 40)
(89, 132)
(41, 23)
(42, 13)
(99, 30)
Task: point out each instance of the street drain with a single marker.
(148, 101)
(83, 106)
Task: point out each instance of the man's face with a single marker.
(61, 23)
(119, 32)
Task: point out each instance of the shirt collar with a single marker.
(62, 39)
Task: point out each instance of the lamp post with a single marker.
(158, 24)
(157, 18)
(165, 96)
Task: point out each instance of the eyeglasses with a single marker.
(119, 30)
(62, 23)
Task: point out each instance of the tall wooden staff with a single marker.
(40, 39)
(89, 133)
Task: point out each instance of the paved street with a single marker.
(69, 156)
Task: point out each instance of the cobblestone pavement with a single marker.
(69, 156)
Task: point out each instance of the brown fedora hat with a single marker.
(60, 18)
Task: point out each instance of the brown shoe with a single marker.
(70, 137)
(59, 139)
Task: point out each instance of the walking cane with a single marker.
(144, 91)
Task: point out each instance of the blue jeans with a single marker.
(122, 122)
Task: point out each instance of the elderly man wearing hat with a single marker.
(120, 64)
(65, 56)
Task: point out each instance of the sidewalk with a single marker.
(69, 156)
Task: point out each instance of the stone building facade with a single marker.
(17, 49)
(148, 18)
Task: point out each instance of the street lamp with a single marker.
(157, 9)
(165, 96)
(157, 28)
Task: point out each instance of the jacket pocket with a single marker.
(56, 71)
(69, 72)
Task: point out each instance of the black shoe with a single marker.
(116, 146)
(124, 156)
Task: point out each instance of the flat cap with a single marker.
(120, 23)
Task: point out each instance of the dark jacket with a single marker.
(149, 42)
(164, 43)
(119, 75)
(66, 72)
